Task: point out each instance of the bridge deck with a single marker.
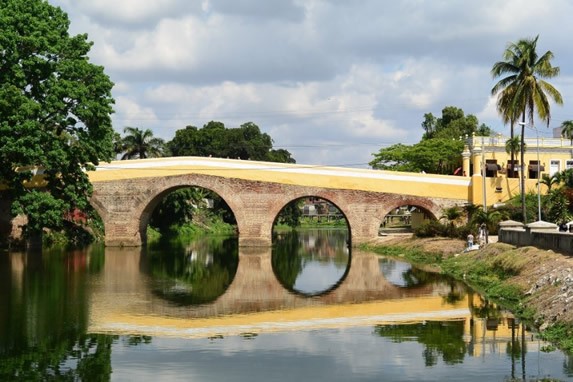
(429, 185)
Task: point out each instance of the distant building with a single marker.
(487, 156)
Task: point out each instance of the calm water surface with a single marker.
(207, 311)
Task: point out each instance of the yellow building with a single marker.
(502, 176)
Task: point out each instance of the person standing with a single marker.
(481, 234)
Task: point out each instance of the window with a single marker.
(513, 169)
(491, 168)
(554, 166)
(534, 169)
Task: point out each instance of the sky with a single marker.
(331, 81)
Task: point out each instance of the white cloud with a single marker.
(332, 81)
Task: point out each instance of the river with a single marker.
(206, 310)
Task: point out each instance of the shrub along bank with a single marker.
(536, 285)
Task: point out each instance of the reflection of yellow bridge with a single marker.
(118, 301)
(256, 303)
(125, 193)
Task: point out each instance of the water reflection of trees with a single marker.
(42, 336)
(293, 250)
(286, 264)
(440, 339)
(410, 277)
(196, 272)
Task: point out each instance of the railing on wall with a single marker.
(499, 141)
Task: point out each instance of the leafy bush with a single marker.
(436, 229)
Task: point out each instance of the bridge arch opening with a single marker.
(191, 244)
(311, 253)
(189, 210)
(405, 218)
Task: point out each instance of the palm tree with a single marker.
(550, 181)
(489, 218)
(522, 91)
(567, 130)
(452, 215)
(512, 145)
(565, 177)
(141, 144)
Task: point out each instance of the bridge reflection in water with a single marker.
(123, 303)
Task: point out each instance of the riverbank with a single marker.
(536, 284)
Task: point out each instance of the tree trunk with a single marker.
(522, 172)
(511, 135)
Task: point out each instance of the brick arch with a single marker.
(136, 215)
(125, 205)
(303, 195)
(425, 204)
(428, 205)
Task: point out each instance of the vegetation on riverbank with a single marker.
(527, 281)
(203, 222)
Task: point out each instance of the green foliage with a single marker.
(513, 208)
(290, 215)
(139, 144)
(453, 124)
(193, 273)
(436, 156)
(452, 214)
(513, 145)
(565, 178)
(285, 259)
(214, 139)
(557, 206)
(414, 255)
(550, 181)
(567, 130)
(55, 111)
(177, 208)
(434, 228)
(490, 218)
(439, 151)
(440, 338)
(523, 90)
(560, 334)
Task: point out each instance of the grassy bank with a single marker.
(214, 225)
(500, 272)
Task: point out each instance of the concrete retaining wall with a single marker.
(557, 241)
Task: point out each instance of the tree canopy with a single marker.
(55, 109)
(434, 156)
(214, 139)
(452, 124)
(440, 149)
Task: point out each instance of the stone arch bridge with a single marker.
(126, 192)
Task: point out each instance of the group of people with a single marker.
(481, 237)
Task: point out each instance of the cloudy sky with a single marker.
(332, 81)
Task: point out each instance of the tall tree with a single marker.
(434, 156)
(452, 124)
(567, 130)
(523, 90)
(55, 109)
(141, 144)
(214, 139)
